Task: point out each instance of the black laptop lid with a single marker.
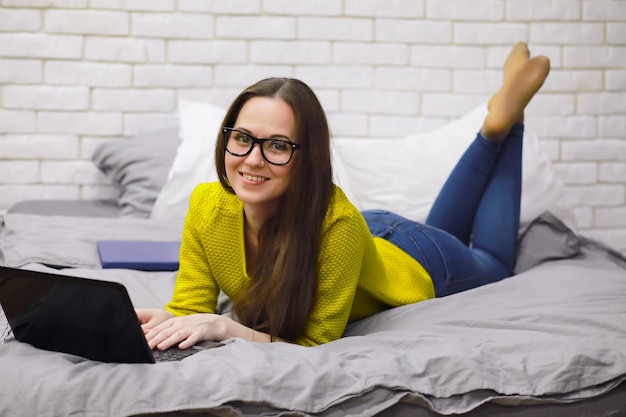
(89, 318)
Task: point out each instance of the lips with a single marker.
(253, 178)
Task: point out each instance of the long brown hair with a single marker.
(284, 284)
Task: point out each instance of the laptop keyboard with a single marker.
(172, 354)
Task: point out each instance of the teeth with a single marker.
(253, 178)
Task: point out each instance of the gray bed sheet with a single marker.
(552, 337)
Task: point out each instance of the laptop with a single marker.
(85, 317)
(145, 255)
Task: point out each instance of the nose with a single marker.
(255, 157)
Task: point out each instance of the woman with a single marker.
(299, 260)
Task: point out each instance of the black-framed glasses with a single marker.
(274, 151)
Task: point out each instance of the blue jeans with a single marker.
(470, 235)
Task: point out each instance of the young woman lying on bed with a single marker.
(299, 260)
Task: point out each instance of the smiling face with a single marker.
(259, 184)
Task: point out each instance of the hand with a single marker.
(151, 317)
(185, 331)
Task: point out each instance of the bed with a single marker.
(549, 341)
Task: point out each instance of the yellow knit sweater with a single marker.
(358, 275)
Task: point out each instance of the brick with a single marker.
(87, 74)
(19, 20)
(70, 172)
(596, 195)
(604, 10)
(568, 127)
(370, 53)
(124, 49)
(594, 150)
(574, 81)
(616, 80)
(38, 146)
(449, 105)
(134, 100)
(577, 173)
(17, 121)
(37, 45)
(172, 25)
(140, 5)
(613, 126)
(567, 33)
(413, 79)
(413, 31)
(583, 216)
(541, 10)
(594, 57)
(338, 28)
(465, 10)
(67, 4)
(330, 99)
(616, 33)
(241, 76)
(453, 56)
(80, 123)
(551, 104)
(172, 76)
(303, 7)
(477, 81)
(256, 27)
(330, 76)
(88, 145)
(93, 22)
(613, 172)
(388, 8)
(19, 172)
(610, 217)
(45, 98)
(382, 102)
(342, 124)
(12, 194)
(225, 7)
(141, 122)
(281, 52)
(207, 52)
(601, 103)
(489, 33)
(614, 238)
(20, 71)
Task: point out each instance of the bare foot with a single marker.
(523, 76)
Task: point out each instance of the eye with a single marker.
(242, 138)
(279, 146)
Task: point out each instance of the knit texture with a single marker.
(358, 275)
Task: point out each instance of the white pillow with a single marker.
(405, 175)
(194, 162)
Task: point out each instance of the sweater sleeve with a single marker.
(196, 290)
(341, 256)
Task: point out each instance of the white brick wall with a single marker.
(75, 73)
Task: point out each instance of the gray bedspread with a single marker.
(554, 333)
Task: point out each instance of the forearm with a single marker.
(236, 329)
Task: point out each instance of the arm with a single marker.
(345, 243)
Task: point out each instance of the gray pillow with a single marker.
(138, 168)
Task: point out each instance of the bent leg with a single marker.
(480, 202)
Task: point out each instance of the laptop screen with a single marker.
(89, 318)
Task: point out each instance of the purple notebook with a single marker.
(145, 255)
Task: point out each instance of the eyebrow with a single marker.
(275, 136)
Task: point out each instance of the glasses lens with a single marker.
(277, 151)
(238, 143)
